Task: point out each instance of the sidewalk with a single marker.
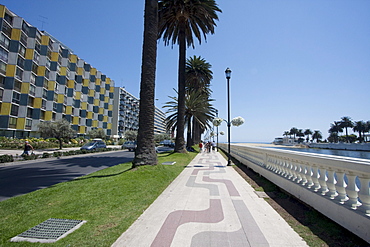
(209, 204)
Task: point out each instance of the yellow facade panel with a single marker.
(107, 80)
(98, 82)
(102, 90)
(84, 105)
(48, 116)
(111, 89)
(16, 34)
(82, 129)
(54, 56)
(92, 71)
(75, 120)
(2, 11)
(78, 95)
(37, 103)
(5, 108)
(96, 102)
(73, 58)
(60, 98)
(109, 126)
(69, 110)
(45, 40)
(89, 115)
(71, 84)
(105, 119)
(29, 54)
(63, 71)
(51, 85)
(101, 110)
(91, 92)
(110, 107)
(41, 71)
(95, 123)
(80, 71)
(25, 88)
(20, 123)
(106, 99)
(10, 70)
(85, 82)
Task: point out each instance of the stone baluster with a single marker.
(352, 191)
(322, 181)
(341, 187)
(296, 170)
(302, 173)
(315, 178)
(331, 184)
(309, 174)
(365, 194)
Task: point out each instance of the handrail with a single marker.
(319, 180)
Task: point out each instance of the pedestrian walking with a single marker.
(28, 149)
(200, 146)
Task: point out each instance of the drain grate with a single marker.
(48, 231)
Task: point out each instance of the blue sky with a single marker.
(295, 63)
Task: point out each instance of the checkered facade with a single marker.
(42, 80)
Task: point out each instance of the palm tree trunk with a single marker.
(180, 142)
(145, 152)
(189, 141)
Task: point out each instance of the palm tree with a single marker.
(198, 78)
(198, 108)
(334, 130)
(317, 135)
(346, 123)
(286, 133)
(179, 20)
(293, 131)
(307, 133)
(145, 152)
(300, 134)
(360, 127)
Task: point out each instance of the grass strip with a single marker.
(109, 200)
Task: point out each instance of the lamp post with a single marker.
(228, 76)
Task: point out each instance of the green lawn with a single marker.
(109, 200)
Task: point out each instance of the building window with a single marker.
(36, 57)
(32, 90)
(2, 67)
(16, 97)
(19, 74)
(34, 68)
(33, 79)
(47, 74)
(29, 112)
(22, 50)
(3, 55)
(54, 106)
(1, 93)
(30, 101)
(46, 83)
(2, 81)
(43, 104)
(45, 93)
(8, 18)
(28, 124)
(23, 39)
(42, 115)
(20, 62)
(12, 122)
(7, 29)
(14, 110)
(4, 41)
(17, 85)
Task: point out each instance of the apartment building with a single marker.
(41, 79)
(126, 114)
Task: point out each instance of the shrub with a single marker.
(57, 154)
(46, 155)
(6, 158)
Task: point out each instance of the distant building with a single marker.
(126, 114)
(41, 79)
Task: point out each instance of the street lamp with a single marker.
(236, 121)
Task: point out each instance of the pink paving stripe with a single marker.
(167, 232)
(195, 171)
(229, 185)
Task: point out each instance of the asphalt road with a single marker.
(24, 177)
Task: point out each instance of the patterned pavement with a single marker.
(209, 204)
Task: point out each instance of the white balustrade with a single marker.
(326, 182)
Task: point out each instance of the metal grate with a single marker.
(51, 229)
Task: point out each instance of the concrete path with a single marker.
(209, 204)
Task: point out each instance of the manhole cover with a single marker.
(49, 231)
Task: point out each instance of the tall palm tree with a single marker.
(293, 131)
(346, 123)
(317, 135)
(198, 78)
(179, 21)
(307, 133)
(360, 127)
(145, 152)
(334, 130)
(300, 134)
(198, 108)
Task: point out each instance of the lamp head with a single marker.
(228, 73)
